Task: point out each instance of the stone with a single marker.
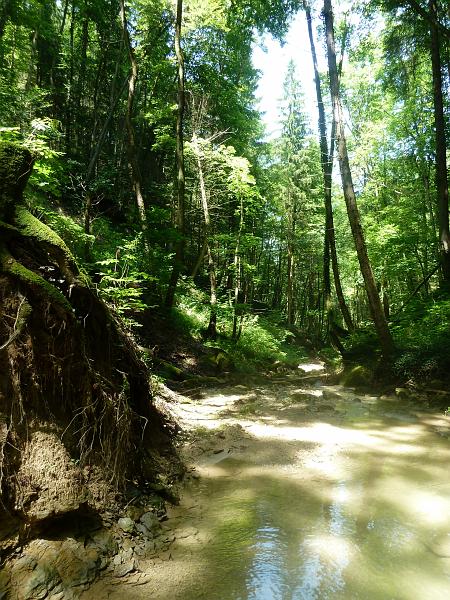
(125, 568)
(39, 583)
(128, 544)
(104, 540)
(117, 560)
(359, 376)
(141, 528)
(151, 521)
(126, 524)
(134, 512)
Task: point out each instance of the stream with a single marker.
(309, 491)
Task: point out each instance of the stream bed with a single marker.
(311, 492)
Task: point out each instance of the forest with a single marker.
(154, 234)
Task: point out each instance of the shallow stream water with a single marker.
(331, 495)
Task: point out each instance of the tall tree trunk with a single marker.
(327, 169)
(290, 261)
(135, 173)
(375, 305)
(179, 218)
(237, 270)
(441, 148)
(95, 153)
(212, 326)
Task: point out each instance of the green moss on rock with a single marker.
(30, 226)
(358, 376)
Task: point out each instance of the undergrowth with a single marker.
(263, 341)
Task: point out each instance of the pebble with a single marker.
(126, 524)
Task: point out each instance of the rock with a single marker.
(141, 528)
(104, 541)
(39, 582)
(126, 524)
(4, 583)
(134, 512)
(58, 596)
(126, 555)
(125, 568)
(117, 560)
(402, 393)
(358, 376)
(128, 544)
(330, 395)
(150, 520)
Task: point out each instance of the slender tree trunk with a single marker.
(179, 220)
(135, 173)
(237, 270)
(441, 147)
(290, 261)
(375, 305)
(95, 153)
(327, 168)
(212, 326)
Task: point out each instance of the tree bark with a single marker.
(375, 306)
(212, 326)
(237, 269)
(181, 185)
(327, 169)
(135, 173)
(441, 146)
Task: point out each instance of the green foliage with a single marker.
(38, 137)
(122, 282)
(263, 341)
(422, 340)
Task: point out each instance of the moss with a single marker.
(16, 164)
(30, 226)
(358, 376)
(12, 267)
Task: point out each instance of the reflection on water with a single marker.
(354, 505)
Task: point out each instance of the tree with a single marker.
(327, 157)
(180, 209)
(375, 305)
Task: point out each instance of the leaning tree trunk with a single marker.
(179, 218)
(441, 148)
(135, 172)
(327, 169)
(375, 306)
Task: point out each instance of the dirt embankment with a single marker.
(79, 433)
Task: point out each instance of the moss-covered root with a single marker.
(10, 266)
(16, 164)
(30, 226)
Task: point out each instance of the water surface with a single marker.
(336, 496)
